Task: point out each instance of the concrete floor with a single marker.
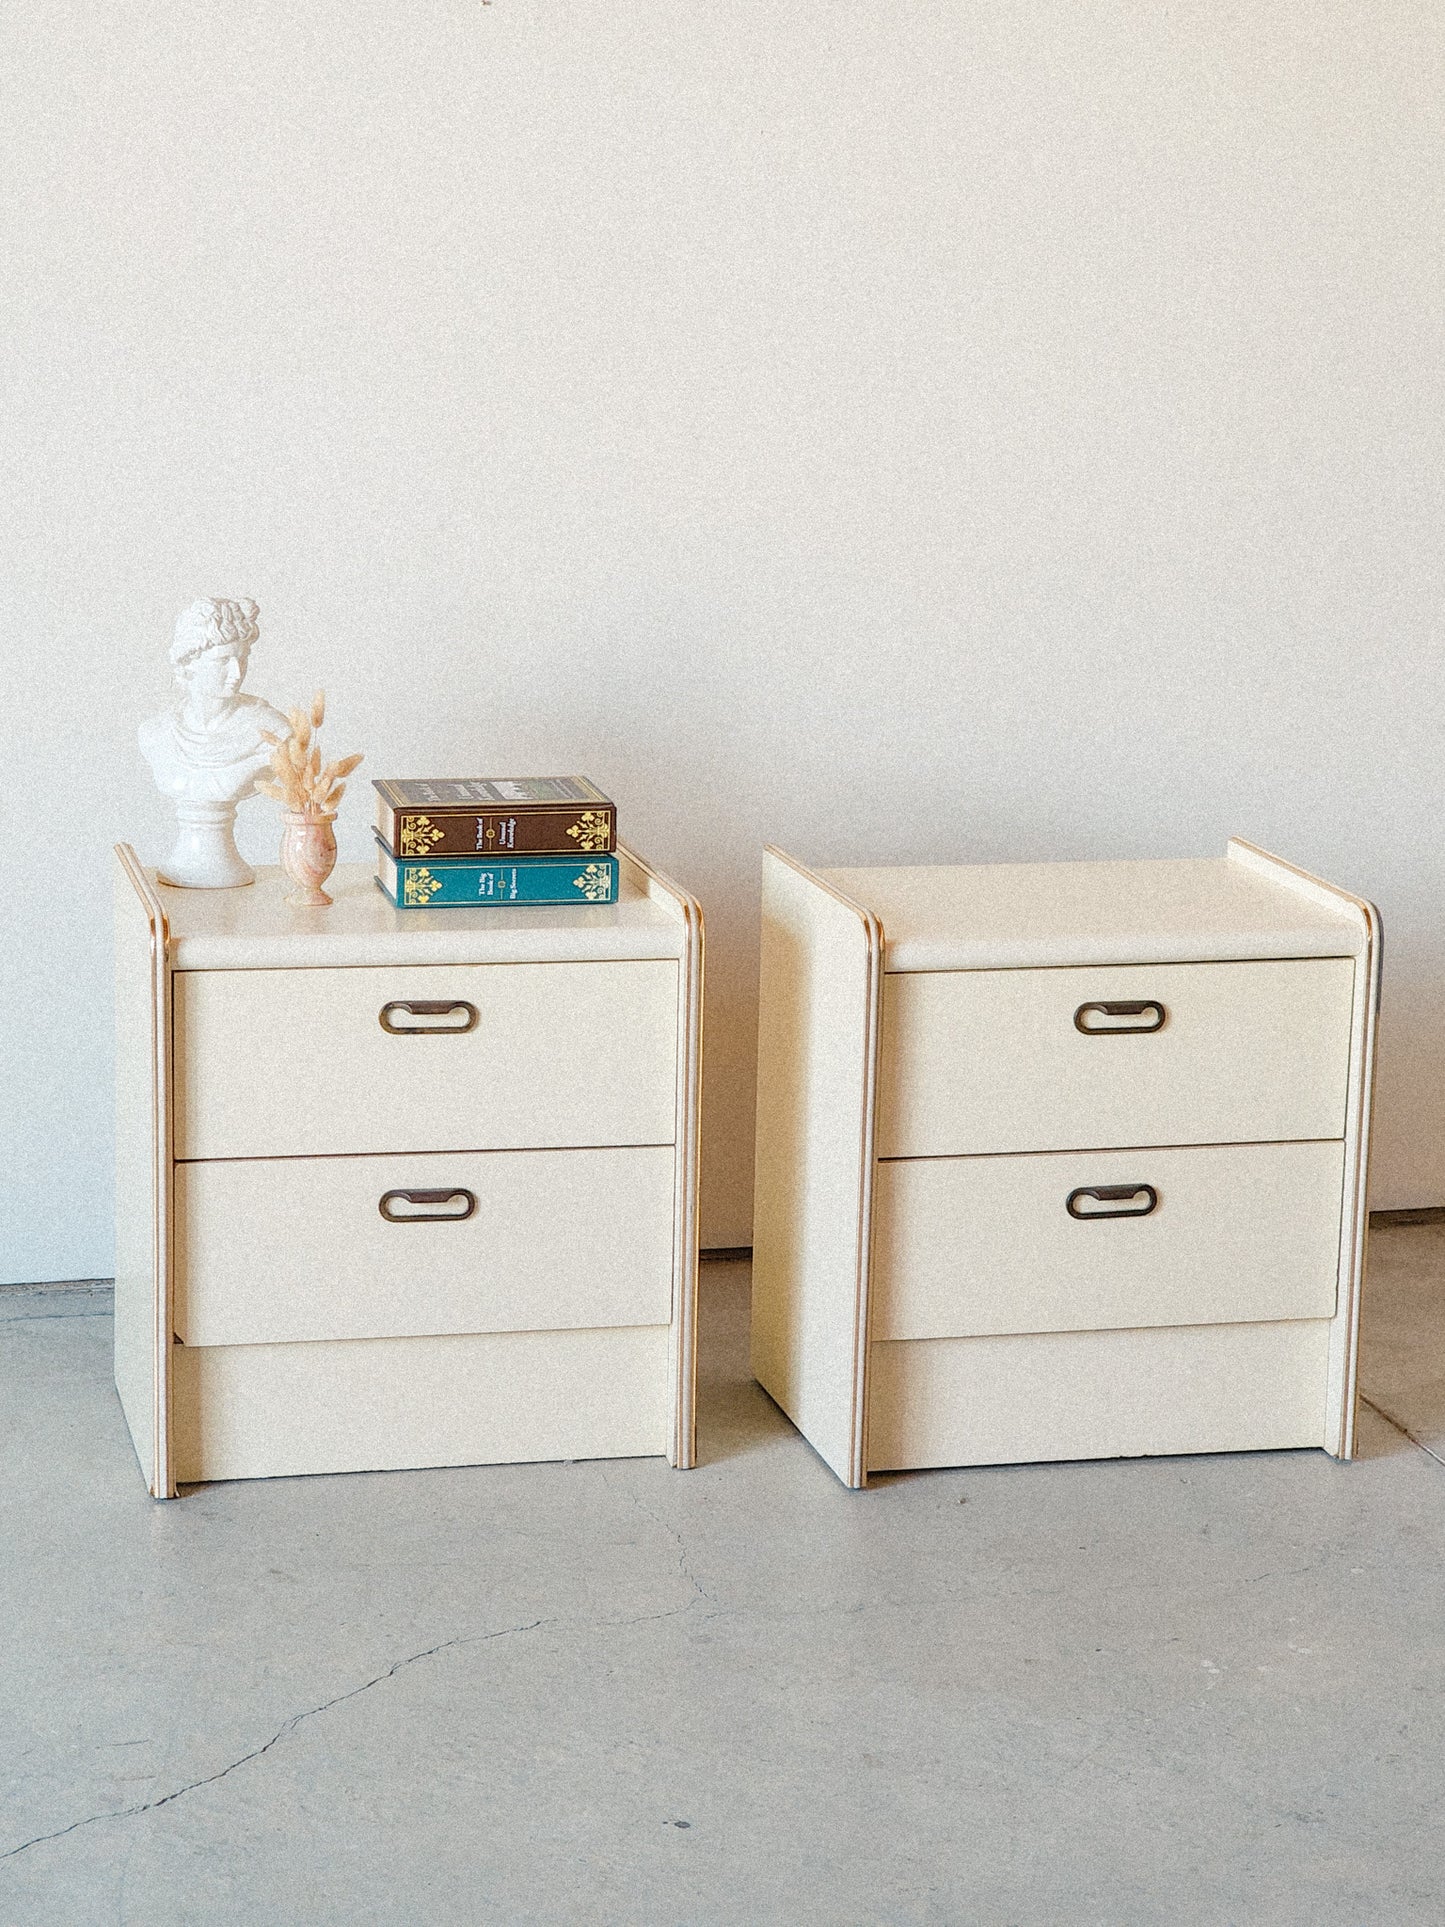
(1182, 1690)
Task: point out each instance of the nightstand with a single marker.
(403, 1187)
(1061, 1161)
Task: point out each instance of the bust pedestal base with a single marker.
(205, 856)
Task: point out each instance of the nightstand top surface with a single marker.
(253, 928)
(1022, 915)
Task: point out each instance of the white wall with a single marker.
(958, 430)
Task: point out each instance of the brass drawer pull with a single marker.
(426, 1007)
(1149, 1008)
(468, 1202)
(1113, 1194)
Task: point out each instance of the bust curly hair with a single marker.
(213, 623)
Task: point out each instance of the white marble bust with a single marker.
(206, 750)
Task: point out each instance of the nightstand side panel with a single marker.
(142, 1171)
(817, 1056)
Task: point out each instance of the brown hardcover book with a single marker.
(515, 815)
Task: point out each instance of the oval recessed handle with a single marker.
(467, 1199)
(1153, 1012)
(428, 1007)
(1126, 1197)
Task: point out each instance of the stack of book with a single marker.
(495, 839)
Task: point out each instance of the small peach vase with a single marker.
(308, 854)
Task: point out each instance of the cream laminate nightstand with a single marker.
(403, 1187)
(1062, 1160)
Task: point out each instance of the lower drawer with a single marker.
(266, 1411)
(1239, 1232)
(1096, 1395)
(272, 1250)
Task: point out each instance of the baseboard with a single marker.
(58, 1284)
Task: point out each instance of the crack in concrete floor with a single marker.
(287, 1726)
(684, 1566)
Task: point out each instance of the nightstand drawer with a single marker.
(286, 1063)
(268, 1411)
(274, 1250)
(1033, 1060)
(1218, 1234)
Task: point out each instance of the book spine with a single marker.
(572, 831)
(413, 885)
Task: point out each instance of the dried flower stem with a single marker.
(299, 779)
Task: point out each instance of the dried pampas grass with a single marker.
(299, 780)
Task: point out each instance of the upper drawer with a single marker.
(994, 1060)
(288, 1063)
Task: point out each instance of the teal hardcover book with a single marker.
(412, 885)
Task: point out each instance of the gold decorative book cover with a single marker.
(455, 816)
